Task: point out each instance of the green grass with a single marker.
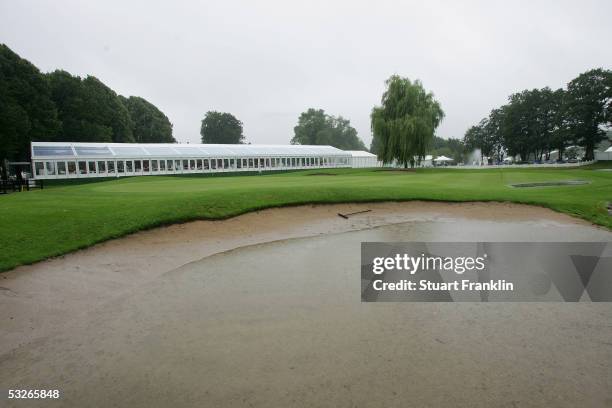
(67, 216)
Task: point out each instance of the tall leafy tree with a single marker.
(89, 110)
(476, 137)
(406, 121)
(546, 105)
(534, 122)
(105, 106)
(493, 134)
(519, 126)
(589, 97)
(315, 127)
(78, 125)
(149, 124)
(310, 124)
(222, 128)
(27, 112)
(560, 133)
(530, 125)
(375, 147)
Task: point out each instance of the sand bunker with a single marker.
(234, 313)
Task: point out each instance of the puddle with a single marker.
(281, 324)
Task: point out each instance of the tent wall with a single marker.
(604, 156)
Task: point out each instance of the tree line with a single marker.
(58, 106)
(538, 121)
(62, 107)
(315, 127)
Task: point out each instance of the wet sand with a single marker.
(209, 314)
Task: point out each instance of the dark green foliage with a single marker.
(475, 139)
(534, 122)
(453, 148)
(26, 110)
(315, 127)
(89, 110)
(61, 107)
(485, 136)
(589, 100)
(375, 147)
(221, 127)
(519, 129)
(560, 133)
(406, 121)
(310, 123)
(149, 124)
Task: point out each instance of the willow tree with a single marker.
(404, 125)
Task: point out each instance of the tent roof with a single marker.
(360, 153)
(443, 158)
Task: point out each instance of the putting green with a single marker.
(66, 216)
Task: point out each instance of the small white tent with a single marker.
(443, 159)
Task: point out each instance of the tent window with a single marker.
(50, 168)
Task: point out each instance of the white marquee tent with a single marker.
(76, 160)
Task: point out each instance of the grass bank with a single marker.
(67, 216)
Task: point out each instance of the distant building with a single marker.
(605, 155)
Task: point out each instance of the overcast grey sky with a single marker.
(267, 61)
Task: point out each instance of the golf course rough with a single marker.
(71, 214)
